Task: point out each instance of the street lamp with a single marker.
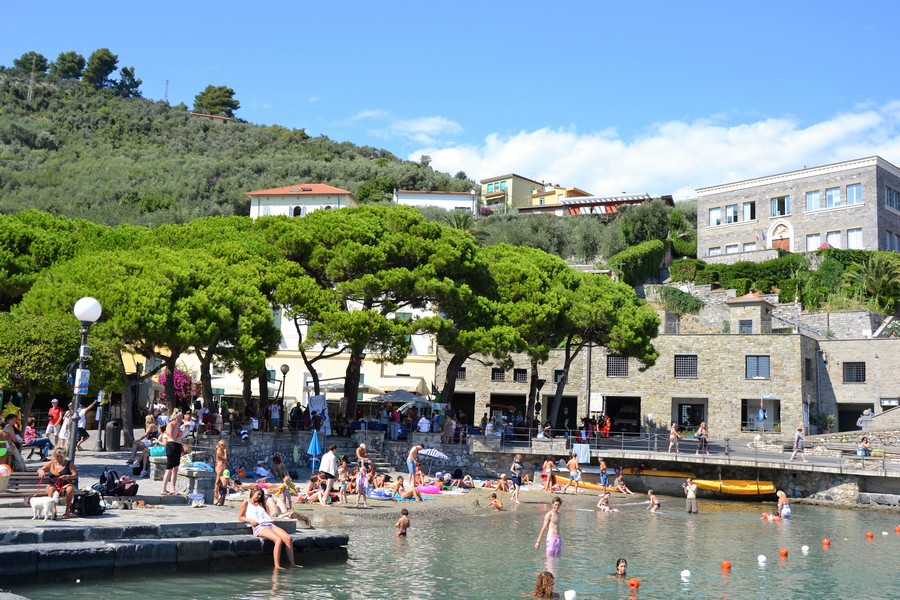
(284, 371)
(87, 311)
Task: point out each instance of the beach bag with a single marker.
(157, 450)
(127, 486)
(86, 503)
(109, 479)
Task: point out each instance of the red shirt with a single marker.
(55, 414)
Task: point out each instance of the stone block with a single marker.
(22, 536)
(19, 562)
(144, 553)
(249, 545)
(196, 550)
(157, 467)
(200, 482)
(75, 556)
(63, 534)
(105, 533)
(131, 532)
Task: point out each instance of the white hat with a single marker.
(54, 401)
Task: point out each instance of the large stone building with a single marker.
(853, 204)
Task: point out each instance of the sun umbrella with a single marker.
(433, 453)
(314, 450)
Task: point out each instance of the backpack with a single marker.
(109, 479)
(86, 503)
(127, 486)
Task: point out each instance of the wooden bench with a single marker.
(21, 484)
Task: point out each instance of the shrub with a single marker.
(678, 302)
(787, 290)
(685, 269)
(741, 270)
(846, 257)
(639, 263)
(740, 284)
(763, 286)
(706, 277)
(683, 247)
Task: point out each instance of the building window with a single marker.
(812, 200)
(854, 372)
(833, 239)
(617, 366)
(749, 211)
(854, 194)
(749, 246)
(715, 251)
(745, 326)
(542, 201)
(502, 185)
(813, 241)
(731, 213)
(520, 375)
(781, 206)
(461, 374)
(833, 197)
(685, 366)
(498, 374)
(891, 198)
(558, 375)
(298, 211)
(715, 217)
(731, 249)
(889, 241)
(807, 369)
(757, 367)
(854, 239)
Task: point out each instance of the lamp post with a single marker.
(87, 311)
(284, 371)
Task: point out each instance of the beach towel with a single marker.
(582, 452)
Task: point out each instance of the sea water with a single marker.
(478, 554)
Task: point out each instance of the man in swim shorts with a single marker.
(551, 526)
(574, 473)
(411, 460)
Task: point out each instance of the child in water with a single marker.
(495, 503)
(603, 503)
(654, 502)
(402, 523)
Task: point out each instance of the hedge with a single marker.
(683, 247)
(639, 263)
(678, 302)
(763, 286)
(740, 284)
(788, 290)
(706, 277)
(685, 269)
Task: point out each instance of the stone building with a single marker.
(853, 204)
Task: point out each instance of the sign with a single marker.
(320, 406)
(596, 403)
(82, 381)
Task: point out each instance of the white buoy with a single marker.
(804, 549)
(884, 533)
(761, 558)
(685, 575)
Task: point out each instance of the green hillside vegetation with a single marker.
(99, 152)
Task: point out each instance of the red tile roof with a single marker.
(748, 299)
(300, 189)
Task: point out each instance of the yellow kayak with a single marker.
(655, 473)
(743, 487)
(587, 485)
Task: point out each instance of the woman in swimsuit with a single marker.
(63, 478)
(253, 513)
(784, 505)
(547, 474)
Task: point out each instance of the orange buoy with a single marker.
(783, 553)
(634, 583)
(870, 535)
(726, 565)
(826, 542)
(897, 529)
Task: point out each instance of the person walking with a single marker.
(54, 421)
(798, 445)
(516, 479)
(574, 473)
(674, 436)
(690, 491)
(551, 527)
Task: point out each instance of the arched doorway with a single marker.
(781, 236)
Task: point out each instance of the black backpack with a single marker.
(109, 480)
(86, 503)
(127, 486)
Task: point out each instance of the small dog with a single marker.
(44, 506)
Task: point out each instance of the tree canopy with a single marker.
(216, 100)
(100, 65)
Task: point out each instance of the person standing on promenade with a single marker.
(253, 513)
(674, 436)
(516, 479)
(83, 435)
(702, 435)
(221, 462)
(174, 450)
(551, 526)
(690, 490)
(411, 459)
(54, 421)
(574, 473)
(798, 445)
(328, 470)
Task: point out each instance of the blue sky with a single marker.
(611, 97)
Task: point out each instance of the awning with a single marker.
(416, 385)
(337, 387)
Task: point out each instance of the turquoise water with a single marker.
(469, 553)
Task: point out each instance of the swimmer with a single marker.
(603, 504)
(495, 503)
(654, 502)
(784, 505)
(621, 569)
(402, 524)
(551, 526)
(771, 517)
(543, 586)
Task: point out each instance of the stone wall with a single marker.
(880, 358)
(850, 324)
(754, 256)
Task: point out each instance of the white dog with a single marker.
(44, 506)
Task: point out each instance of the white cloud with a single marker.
(370, 113)
(676, 157)
(312, 99)
(421, 130)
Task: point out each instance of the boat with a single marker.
(741, 487)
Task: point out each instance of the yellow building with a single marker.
(555, 194)
(509, 190)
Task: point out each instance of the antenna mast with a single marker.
(166, 98)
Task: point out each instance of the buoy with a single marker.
(685, 575)
(726, 565)
(884, 533)
(897, 529)
(804, 549)
(826, 542)
(5, 471)
(870, 535)
(634, 583)
(783, 552)
(761, 558)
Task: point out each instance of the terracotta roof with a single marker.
(300, 189)
(750, 298)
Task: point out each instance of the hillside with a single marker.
(88, 154)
